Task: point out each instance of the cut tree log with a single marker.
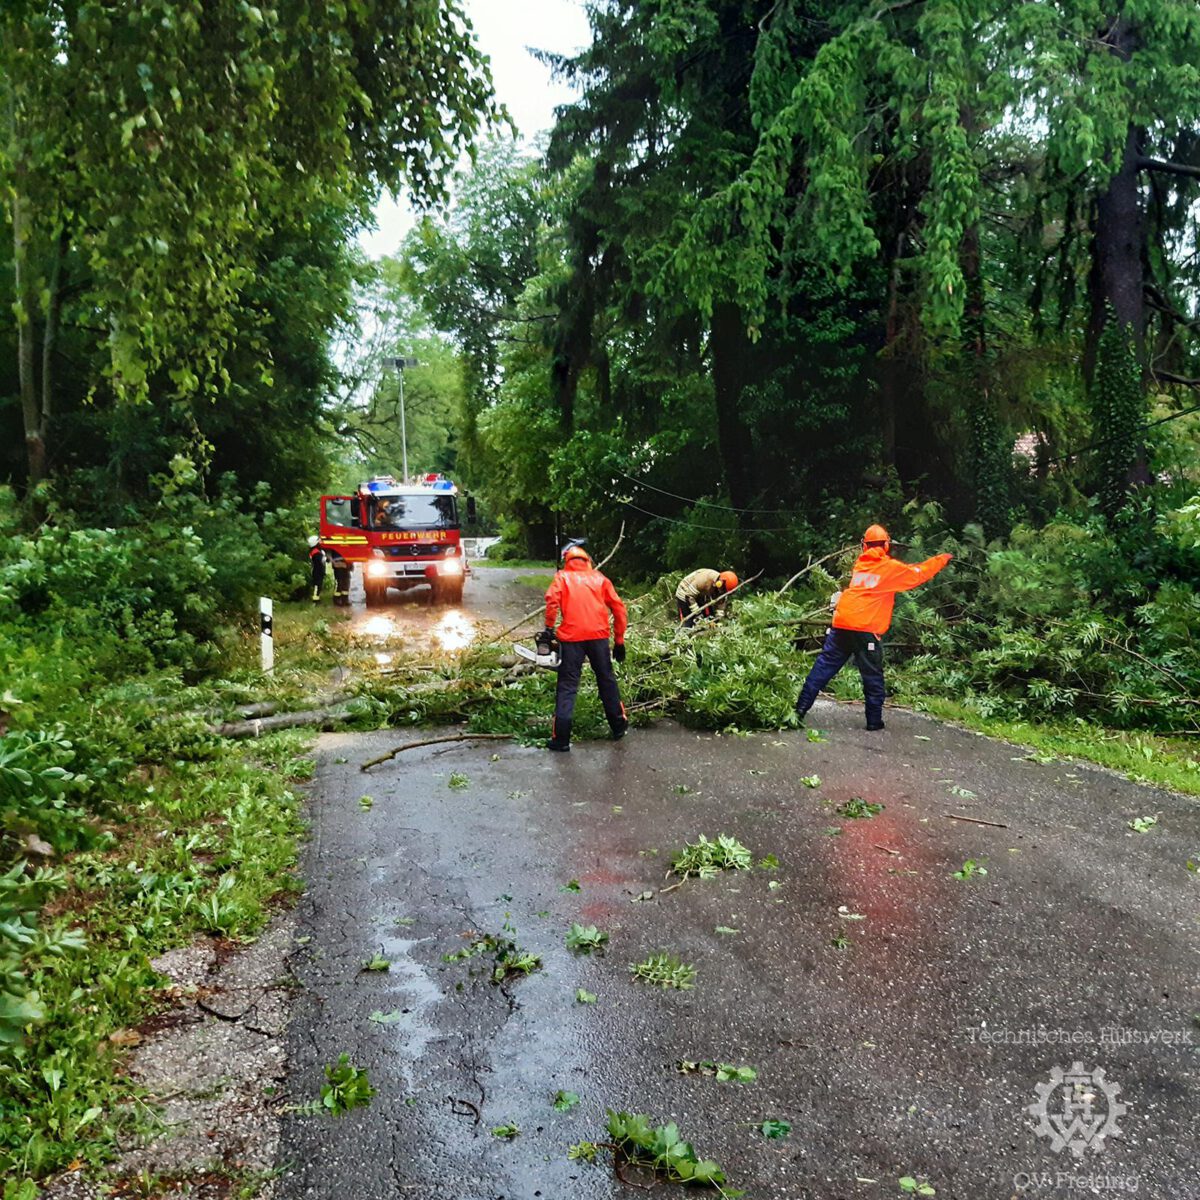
(256, 727)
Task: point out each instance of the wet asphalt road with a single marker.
(493, 598)
(912, 1050)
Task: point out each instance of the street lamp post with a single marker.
(401, 364)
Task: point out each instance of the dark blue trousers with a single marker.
(571, 656)
(841, 645)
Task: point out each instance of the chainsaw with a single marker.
(545, 654)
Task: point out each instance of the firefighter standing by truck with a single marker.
(316, 566)
(341, 582)
(862, 616)
(585, 599)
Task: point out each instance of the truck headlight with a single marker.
(452, 566)
(376, 569)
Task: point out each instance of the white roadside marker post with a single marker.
(266, 616)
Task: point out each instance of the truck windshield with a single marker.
(414, 512)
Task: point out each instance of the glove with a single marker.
(833, 600)
(619, 652)
(545, 639)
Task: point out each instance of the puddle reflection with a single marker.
(380, 627)
(454, 631)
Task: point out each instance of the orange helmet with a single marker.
(729, 579)
(575, 552)
(875, 533)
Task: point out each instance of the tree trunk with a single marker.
(889, 384)
(25, 308)
(728, 360)
(50, 336)
(990, 454)
(1117, 273)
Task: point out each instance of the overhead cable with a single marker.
(710, 503)
(696, 524)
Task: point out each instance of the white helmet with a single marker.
(312, 541)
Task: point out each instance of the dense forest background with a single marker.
(783, 268)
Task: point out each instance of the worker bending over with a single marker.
(862, 616)
(702, 594)
(585, 599)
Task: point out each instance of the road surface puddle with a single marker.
(379, 626)
(454, 631)
(412, 995)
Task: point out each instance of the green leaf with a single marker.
(565, 1101)
(726, 1073)
(584, 997)
(584, 939)
(775, 1129)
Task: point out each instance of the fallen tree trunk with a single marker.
(257, 726)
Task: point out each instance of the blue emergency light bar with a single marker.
(385, 483)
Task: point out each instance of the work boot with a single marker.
(876, 727)
(619, 728)
(560, 738)
(801, 713)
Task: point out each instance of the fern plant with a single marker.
(665, 970)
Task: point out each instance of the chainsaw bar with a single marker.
(548, 661)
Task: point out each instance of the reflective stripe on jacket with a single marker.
(585, 598)
(699, 587)
(868, 599)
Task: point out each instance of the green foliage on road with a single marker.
(584, 939)
(346, 1087)
(660, 1148)
(665, 970)
(706, 859)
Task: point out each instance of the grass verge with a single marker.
(200, 845)
(1140, 757)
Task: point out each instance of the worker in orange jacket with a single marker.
(585, 599)
(862, 616)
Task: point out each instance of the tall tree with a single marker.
(148, 150)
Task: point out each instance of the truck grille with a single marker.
(415, 549)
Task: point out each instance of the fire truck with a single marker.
(402, 535)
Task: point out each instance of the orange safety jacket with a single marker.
(868, 599)
(585, 598)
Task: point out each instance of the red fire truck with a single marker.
(401, 534)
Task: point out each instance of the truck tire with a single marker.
(453, 593)
(375, 594)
